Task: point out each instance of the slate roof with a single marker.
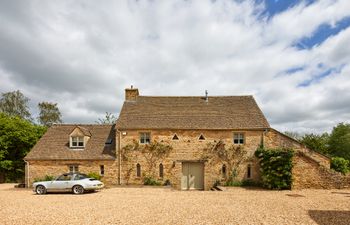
(54, 145)
(220, 112)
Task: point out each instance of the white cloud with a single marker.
(82, 55)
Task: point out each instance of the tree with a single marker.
(17, 137)
(339, 141)
(232, 157)
(15, 104)
(109, 119)
(316, 142)
(49, 113)
(292, 134)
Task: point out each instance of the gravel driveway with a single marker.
(165, 206)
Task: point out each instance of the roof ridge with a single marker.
(193, 96)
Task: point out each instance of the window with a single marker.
(102, 170)
(80, 176)
(64, 177)
(201, 138)
(249, 171)
(73, 168)
(223, 170)
(161, 170)
(175, 137)
(238, 138)
(77, 142)
(145, 138)
(138, 170)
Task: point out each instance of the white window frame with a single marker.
(73, 168)
(240, 137)
(77, 140)
(143, 137)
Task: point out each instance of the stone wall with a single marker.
(308, 173)
(188, 148)
(38, 169)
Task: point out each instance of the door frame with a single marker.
(188, 163)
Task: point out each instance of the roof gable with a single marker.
(219, 112)
(54, 145)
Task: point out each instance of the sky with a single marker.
(292, 56)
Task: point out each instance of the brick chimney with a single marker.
(131, 94)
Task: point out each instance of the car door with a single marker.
(61, 183)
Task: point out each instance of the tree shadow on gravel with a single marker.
(327, 217)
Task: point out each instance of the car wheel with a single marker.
(77, 189)
(40, 190)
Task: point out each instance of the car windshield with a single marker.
(80, 176)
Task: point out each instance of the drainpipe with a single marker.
(27, 173)
(263, 137)
(119, 157)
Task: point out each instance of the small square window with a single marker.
(145, 138)
(77, 142)
(238, 138)
(73, 168)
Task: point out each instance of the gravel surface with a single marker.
(148, 205)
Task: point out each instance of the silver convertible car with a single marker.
(75, 182)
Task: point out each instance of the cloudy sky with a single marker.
(293, 56)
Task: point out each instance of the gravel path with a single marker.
(165, 206)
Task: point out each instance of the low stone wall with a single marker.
(39, 169)
(308, 173)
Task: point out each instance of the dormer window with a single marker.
(77, 142)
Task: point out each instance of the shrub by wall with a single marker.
(276, 167)
(340, 164)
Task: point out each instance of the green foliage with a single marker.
(339, 141)
(148, 180)
(232, 156)
(15, 104)
(233, 183)
(276, 167)
(17, 137)
(108, 119)
(152, 153)
(94, 175)
(316, 142)
(46, 178)
(340, 165)
(49, 113)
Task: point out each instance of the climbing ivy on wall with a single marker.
(276, 167)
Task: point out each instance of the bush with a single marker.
(276, 167)
(233, 183)
(46, 178)
(94, 175)
(251, 183)
(151, 181)
(340, 164)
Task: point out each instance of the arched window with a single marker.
(223, 170)
(138, 170)
(161, 170)
(249, 171)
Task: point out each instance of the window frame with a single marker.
(102, 170)
(161, 171)
(138, 170)
(79, 140)
(75, 168)
(241, 137)
(142, 138)
(249, 171)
